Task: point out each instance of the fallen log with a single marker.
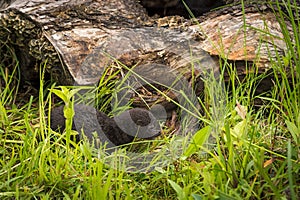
(79, 39)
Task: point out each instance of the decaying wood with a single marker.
(76, 37)
(253, 39)
(63, 32)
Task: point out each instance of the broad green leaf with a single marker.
(3, 114)
(180, 193)
(71, 93)
(239, 128)
(198, 140)
(60, 94)
(196, 196)
(294, 130)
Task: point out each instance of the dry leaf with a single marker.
(241, 110)
(269, 162)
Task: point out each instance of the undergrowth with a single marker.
(255, 154)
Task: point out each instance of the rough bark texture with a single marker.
(64, 32)
(78, 39)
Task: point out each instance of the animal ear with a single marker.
(128, 123)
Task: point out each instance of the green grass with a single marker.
(256, 154)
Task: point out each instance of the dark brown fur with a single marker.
(88, 120)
